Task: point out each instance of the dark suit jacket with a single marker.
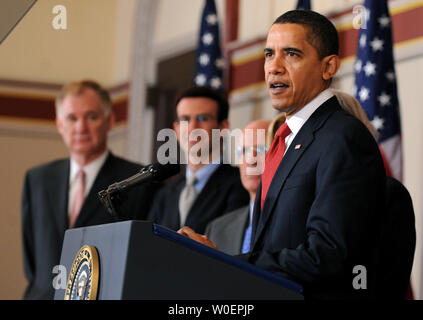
(45, 215)
(398, 241)
(222, 193)
(227, 231)
(322, 211)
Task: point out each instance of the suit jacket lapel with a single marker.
(58, 195)
(288, 162)
(236, 234)
(304, 137)
(175, 219)
(256, 215)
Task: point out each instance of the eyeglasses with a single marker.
(199, 118)
(242, 151)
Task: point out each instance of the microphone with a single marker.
(155, 172)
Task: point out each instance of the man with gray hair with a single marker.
(231, 233)
(62, 194)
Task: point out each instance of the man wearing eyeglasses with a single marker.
(209, 187)
(231, 233)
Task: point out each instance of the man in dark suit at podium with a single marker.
(62, 194)
(232, 231)
(318, 209)
(209, 187)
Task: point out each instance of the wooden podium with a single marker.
(141, 260)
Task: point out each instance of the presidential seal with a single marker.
(83, 278)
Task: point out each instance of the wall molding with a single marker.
(35, 100)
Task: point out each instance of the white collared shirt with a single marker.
(91, 170)
(296, 121)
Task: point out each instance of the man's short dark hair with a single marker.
(321, 33)
(206, 92)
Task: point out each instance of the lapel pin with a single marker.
(298, 147)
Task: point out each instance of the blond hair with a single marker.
(76, 88)
(352, 106)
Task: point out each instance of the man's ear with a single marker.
(111, 120)
(176, 126)
(330, 66)
(59, 125)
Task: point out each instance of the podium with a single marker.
(141, 260)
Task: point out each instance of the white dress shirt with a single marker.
(296, 121)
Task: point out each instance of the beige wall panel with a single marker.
(96, 43)
(255, 18)
(117, 141)
(19, 154)
(123, 38)
(180, 20)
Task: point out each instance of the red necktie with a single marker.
(273, 159)
(79, 198)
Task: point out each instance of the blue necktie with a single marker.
(247, 240)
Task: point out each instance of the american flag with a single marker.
(303, 5)
(209, 70)
(375, 82)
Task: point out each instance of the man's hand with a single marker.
(202, 238)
